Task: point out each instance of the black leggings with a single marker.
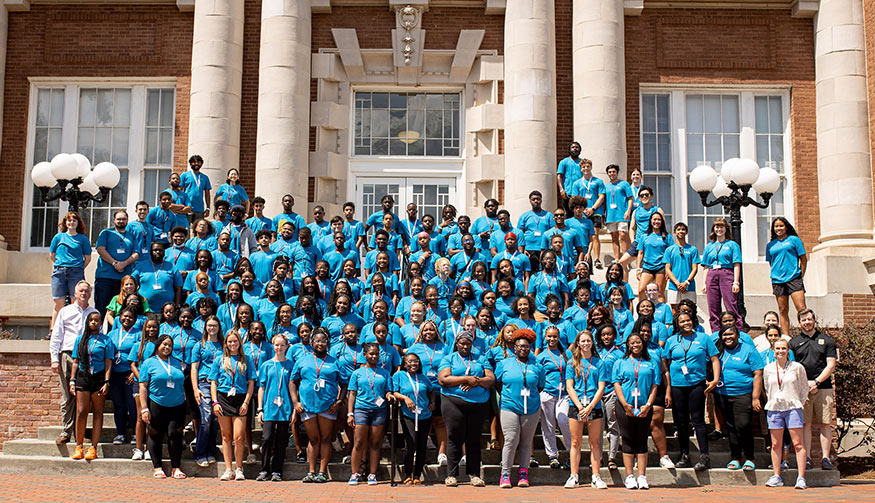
(737, 415)
(464, 426)
(634, 431)
(274, 440)
(414, 441)
(689, 404)
(166, 421)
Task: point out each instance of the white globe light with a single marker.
(65, 167)
(727, 170)
(41, 174)
(88, 185)
(721, 189)
(768, 182)
(745, 171)
(106, 174)
(703, 178)
(83, 165)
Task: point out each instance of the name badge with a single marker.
(684, 369)
(379, 401)
(588, 195)
(417, 410)
(636, 393)
(716, 266)
(278, 401)
(163, 235)
(320, 383)
(232, 392)
(118, 357)
(171, 384)
(525, 392)
(120, 250)
(537, 233)
(156, 287)
(431, 374)
(613, 206)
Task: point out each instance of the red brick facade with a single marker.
(723, 47)
(31, 394)
(858, 308)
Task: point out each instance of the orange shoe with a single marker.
(78, 453)
(90, 453)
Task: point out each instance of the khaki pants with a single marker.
(68, 400)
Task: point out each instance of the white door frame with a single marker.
(426, 170)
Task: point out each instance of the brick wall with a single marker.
(249, 98)
(858, 307)
(31, 394)
(564, 80)
(720, 47)
(86, 41)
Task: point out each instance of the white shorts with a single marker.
(306, 416)
(618, 226)
(675, 296)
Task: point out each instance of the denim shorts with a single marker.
(306, 416)
(371, 417)
(64, 281)
(778, 420)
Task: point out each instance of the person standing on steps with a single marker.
(197, 186)
(232, 385)
(93, 354)
(70, 253)
(274, 409)
(786, 385)
(592, 189)
(68, 325)
(568, 172)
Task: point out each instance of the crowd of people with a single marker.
(204, 317)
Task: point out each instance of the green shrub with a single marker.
(855, 379)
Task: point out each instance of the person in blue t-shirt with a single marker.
(93, 354)
(483, 227)
(568, 172)
(205, 352)
(688, 354)
(553, 359)
(635, 377)
(387, 203)
(163, 405)
(159, 283)
(416, 393)
(534, 223)
(162, 219)
(646, 328)
(122, 383)
(786, 255)
(547, 282)
(258, 221)
(722, 258)
(70, 253)
(275, 409)
(592, 189)
(181, 206)
(681, 266)
(641, 213)
(738, 395)
(297, 221)
(232, 384)
(232, 191)
(117, 251)
(197, 186)
(618, 199)
(370, 388)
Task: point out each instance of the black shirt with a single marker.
(812, 353)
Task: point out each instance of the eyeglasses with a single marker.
(559, 215)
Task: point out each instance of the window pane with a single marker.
(664, 152)
(776, 116)
(761, 106)
(380, 123)
(695, 150)
(663, 113)
(713, 121)
(120, 140)
(410, 116)
(731, 146)
(40, 145)
(762, 150)
(87, 107)
(694, 114)
(121, 115)
(104, 107)
(649, 152)
(54, 143)
(713, 148)
(151, 146)
(730, 114)
(167, 103)
(102, 145)
(43, 107)
(777, 150)
(85, 142)
(57, 116)
(380, 100)
(166, 147)
(648, 113)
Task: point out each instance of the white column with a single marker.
(599, 82)
(844, 169)
(529, 104)
(216, 81)
(281, 160)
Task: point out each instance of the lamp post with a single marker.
(731, 189)
(69, 177)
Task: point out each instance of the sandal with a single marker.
(408, 481)
(178, 474)
(417, 482)
(159, 474)
(494, 445)
(612, 465)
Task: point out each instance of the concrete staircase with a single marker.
(43, 456)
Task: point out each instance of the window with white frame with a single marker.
(407, 124)
(681, 129)
(128, 125)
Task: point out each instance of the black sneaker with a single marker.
(533, 463)
(262, 476)
(716, 435)
(301, 458)
(703, 464)
(826, 464)
(684, 462)
(276, 477)
(808, 464)
(555, 464)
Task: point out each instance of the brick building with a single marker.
(448, 101)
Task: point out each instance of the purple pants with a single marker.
(719, 287)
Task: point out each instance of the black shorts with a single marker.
(654, 272)
(90, 383)
(573, 413)
(230, 404)
(437, 406)
(785, 289)
(659, 401)
(598, 221)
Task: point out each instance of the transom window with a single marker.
(407, 124)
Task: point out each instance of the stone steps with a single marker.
(54, 465)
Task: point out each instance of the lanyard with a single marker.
(281, 375)
(196, 177)
(414, 383)
(166, 366)
(371, 382)
(430, 356)
(234, 372)
(524, 369)
(548, 282)
(353, 354)
(778, 373)
(322, 287)
(256, 352)
(455, 328)
(719, 246)
(91, 352)
(586, 374)
(184, 341)
(636, 368)
(411, 226)
(232, 313)
(156, 272)
(558, 364)
(123, 337)
(318, 366)
(686, 349)
(467, 363)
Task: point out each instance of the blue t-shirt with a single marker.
(553, 362)
(586, 385)
(481, 225)
(692, 352)
(783, 255)
(416, 387)
(370, 386)
(654, 246)
(319, 379)
(234, 194)
(570, 171)
(681, 261)
(590, 190)
(180, 197)
(181, 258)
(274, 377)
(195, 185)
(98, 349)
(262, 264)
(462, 366)
(520, 262)
(543, 284)
(641, 216)
(70, 251)
(376, 220)
(571, 240)
(721, 255)
(162, 222)
(409, 231)
(463, 264)
(148, 351)
(430, 356)
(157, 281)
(520, 385)
(636, 376)
(348, 357)
(258, 353)
(534, 225)
(184, 342)
(567, 333)
(166, 380)
(336, 259)
(258, 223)
(353, 230)
(296, 220)
(236, 377)
(124, 341)
(617, 196)
(141, 233)
(737, 368)
(120, 246)
(496, 239)
(195, 243)
(768, 356)
(205, 353)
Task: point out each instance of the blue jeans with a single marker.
(123, 404)
(64, 281)
(208, 427)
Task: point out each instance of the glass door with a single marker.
(429, 194)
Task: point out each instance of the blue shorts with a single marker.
(371, 417)
(778, 420)
(64, 281)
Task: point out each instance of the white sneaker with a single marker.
(463, 461)
(642, 482)
(138, 455)
(442, 459)
(372, 479)
(239, 474)
(597, 482)
(571, 483)
(203, 463)
(251, 459)
(147, 455)
(630, 482)
(255, 447)
(211, 459)
(228, 475)
(665, 462)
